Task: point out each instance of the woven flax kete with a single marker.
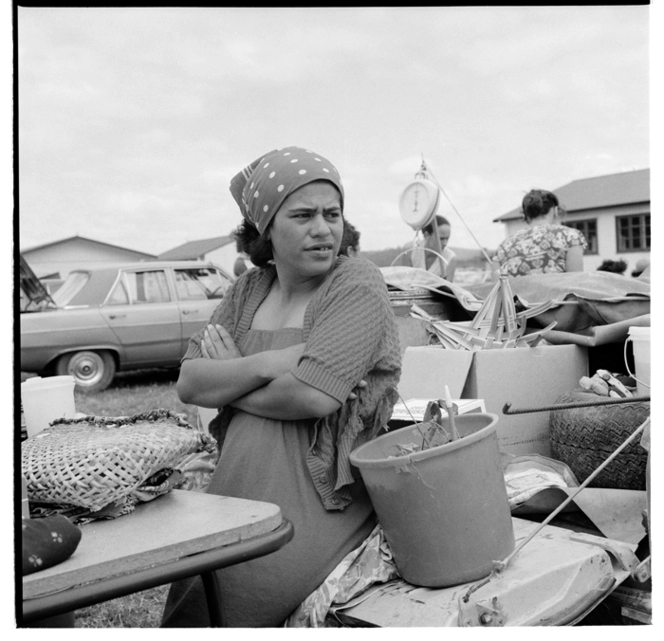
(95, 460)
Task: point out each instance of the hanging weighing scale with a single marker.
(418, 205)
(419, 201)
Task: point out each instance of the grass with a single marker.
(139, 610)
(131, 393)
(135, 392)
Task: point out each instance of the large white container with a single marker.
(45, 399)
(640, 337)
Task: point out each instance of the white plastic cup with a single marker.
(45, 399)
(640, 337)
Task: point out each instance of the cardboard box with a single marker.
(425, 371)
(412, 332)
(528, 377)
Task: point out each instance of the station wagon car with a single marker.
(118, 317)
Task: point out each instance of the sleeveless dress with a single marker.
(264, 460)
(541, 249)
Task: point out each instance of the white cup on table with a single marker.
(45, 399)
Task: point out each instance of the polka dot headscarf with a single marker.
(261, 188)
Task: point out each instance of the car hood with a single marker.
(35, 297)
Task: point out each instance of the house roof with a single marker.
(610, 190)
(195, 249)
(62, 241)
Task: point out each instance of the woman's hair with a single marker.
(538, 202)
(350, 239)
(256, 245)
(614, 266)
(441, 220)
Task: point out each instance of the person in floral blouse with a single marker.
(545, 246)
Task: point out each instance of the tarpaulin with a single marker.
(589, 308)
(582, 300)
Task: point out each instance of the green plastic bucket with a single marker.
(444, 510)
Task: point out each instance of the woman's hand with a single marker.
(217, 343)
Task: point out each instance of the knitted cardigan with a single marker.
(350, 335)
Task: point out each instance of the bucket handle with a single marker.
(627, 364)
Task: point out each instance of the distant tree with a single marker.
(467, 258)
(383, 257)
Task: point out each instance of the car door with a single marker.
(145, 317)
(200, 290)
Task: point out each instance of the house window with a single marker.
(589, 230)
(633, 233)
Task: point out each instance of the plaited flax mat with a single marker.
(93, 461)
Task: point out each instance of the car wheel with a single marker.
(92, 371)
(584, 437)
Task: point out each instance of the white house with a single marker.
(612, 211)
(219, 250)
(52, 262)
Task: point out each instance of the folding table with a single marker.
(175, 536)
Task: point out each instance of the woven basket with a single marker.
(95, 460)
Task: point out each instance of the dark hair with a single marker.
(256, 245)
(350, 238)
(538, 202)
(614, 266)
(441, 220)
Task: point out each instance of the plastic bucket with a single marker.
(640, 337)
(444, 510)
(45, 399)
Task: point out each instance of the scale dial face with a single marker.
(418, 203)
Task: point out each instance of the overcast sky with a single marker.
(133, 121)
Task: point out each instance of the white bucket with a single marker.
(45, 399)
(640, 337)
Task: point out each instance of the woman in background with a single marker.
(350, 241)
(428, 256)
(545, 246)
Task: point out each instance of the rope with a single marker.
(470, 231)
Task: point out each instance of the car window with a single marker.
(118, 295)
(200, 283)
(147, 287)
(72, 285)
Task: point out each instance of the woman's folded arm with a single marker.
(214, 383)
(221, 374)
(288, 399)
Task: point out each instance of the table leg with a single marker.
(213, 598)
(65, 620)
